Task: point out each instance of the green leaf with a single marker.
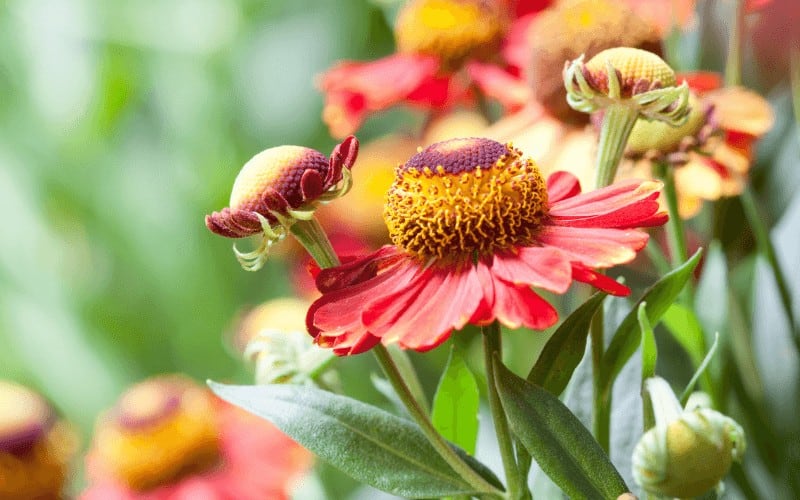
(700, 369)
(374, 447)
(658, 297)
(649, 349)
(561, 445)
(566, 348)
(455, 406)
(685, 328)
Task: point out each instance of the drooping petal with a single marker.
(512, 305)
(511, 91)
(600, 281)
(539, 267)
(355, 89)
(358, 270)
(625, 204)
(594, 247)
(334, 319)
(422, 315)
(562, 185)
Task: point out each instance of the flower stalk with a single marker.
(493, 349)
(315, 241)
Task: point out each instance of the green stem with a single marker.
(421, 418)
(766, 248)
(601, 421)
(733, 66)
(493, 348)
(676, 234)
(618, 121)
(794, 80)
(313, 238)
(311, 235)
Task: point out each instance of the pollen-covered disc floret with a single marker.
(463, 198)
(626, 76)
(452, 30)
(161, 429)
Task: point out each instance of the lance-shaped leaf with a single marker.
(559, 442)
(563, 352)
(455, 406)
(373, 446)
(628, 336)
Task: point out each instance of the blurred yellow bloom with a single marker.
(35, 447)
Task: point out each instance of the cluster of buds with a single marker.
(277, 188)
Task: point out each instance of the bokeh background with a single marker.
(122, 123)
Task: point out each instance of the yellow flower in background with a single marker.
(167, 438)
(35, 447)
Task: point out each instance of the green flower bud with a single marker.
(687, 452)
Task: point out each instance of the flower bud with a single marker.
(687, 452)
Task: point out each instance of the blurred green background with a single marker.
(122, 123)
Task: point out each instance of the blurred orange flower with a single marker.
(35, 447)
(168, 439)
(711, 153)
(445, 50)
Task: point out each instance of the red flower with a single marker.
(168, 439)
(474, 227)
(443, 48)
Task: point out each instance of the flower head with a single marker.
(167, 438)
(569, 29)
(35, 448)
(276, 188)
(626, 76)
(474, 226)
(712, 151)
(445, 49)
(451, 30)
(689, 451)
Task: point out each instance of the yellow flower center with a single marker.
(463, 197)
(279, 168)
(453, 30)
(34, 450)
(161, 430)
(639, 70)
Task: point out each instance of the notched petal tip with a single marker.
(232, 224)
(343, 155)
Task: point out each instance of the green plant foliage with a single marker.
(658, 297)
(456, 404)
(566, 347)
(560, 444)
(649, 348)
(374, 447)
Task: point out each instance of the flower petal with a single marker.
(562, 185)
(355, 89)
(539, 267)
(594, 247)
(625, 204)
(511, 305)
(496, 83)
(600, 281)
(423, 314)
(358, 270)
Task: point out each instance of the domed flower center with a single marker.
(453, 30)
(639, 70)
(279, 168)
(463, 197)
(161, 430)
(24, 418)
